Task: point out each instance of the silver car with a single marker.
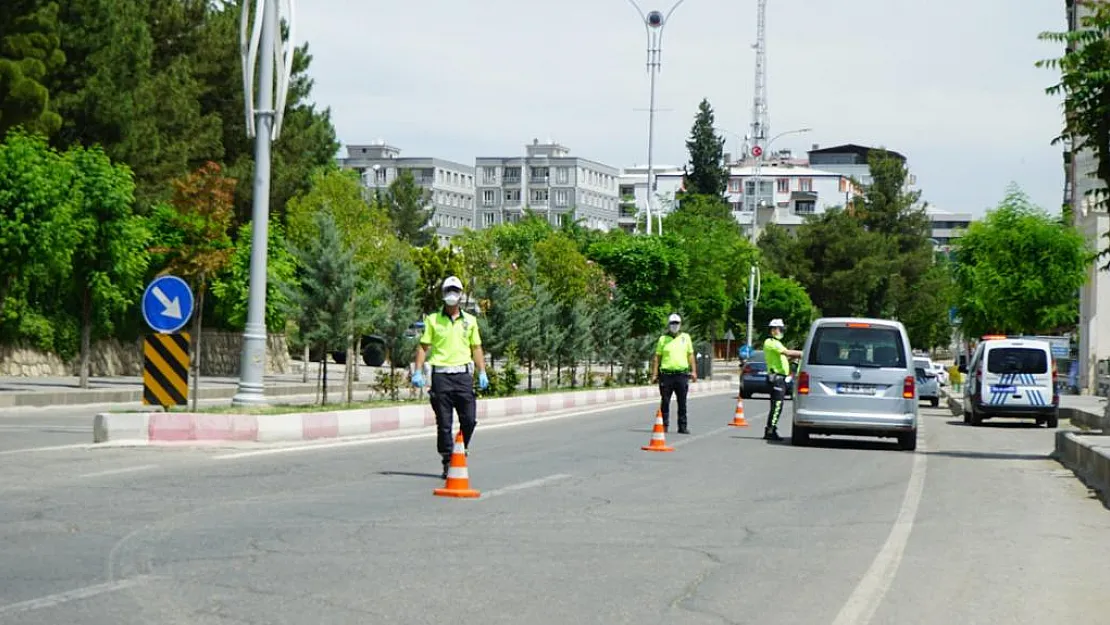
(857, 379)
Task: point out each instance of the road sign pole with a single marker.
(252, 366)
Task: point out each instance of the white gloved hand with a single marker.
(789, 379)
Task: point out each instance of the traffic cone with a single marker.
(738, 419)
(658, 440)
(458, 478)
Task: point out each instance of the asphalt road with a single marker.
(576, 525)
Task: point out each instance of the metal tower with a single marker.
(761, 122)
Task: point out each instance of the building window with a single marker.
(539, 174)
(804, 207)
(540, 196)
(736, 206)
(489, 218)
(805, 184)
(628, 190)
(562, 175)
(561, 197)
(749, 187)
(489, 175)
(784, 185)
(734, 186)
(512, 175)
(487, 197)
(512, 196)
(379, 175)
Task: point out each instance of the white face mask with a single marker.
(674, 328)
(451, 299)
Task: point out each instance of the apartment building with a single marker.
(945, 227)
(850, 160)
(550, 181)
(634, 194)
(1094, 222)
(786, 193)
(450, 185)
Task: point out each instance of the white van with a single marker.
(1011, 378)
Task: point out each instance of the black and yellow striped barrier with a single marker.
(166, 369)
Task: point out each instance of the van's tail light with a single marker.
(908, 387)
(747, 369)
(803, 383)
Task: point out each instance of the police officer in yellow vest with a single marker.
(673, 367)
(778, 374)
(451, 336)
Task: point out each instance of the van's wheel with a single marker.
(799, 437)
(908, 442)
(967, 417)
(976, 417)
(1053, 421)
(934, 402)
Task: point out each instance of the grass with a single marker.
(277, 409)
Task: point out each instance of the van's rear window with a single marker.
(867, 347)
(1017, 360)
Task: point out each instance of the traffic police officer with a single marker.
(451, 335)
(673, 367)
(778, 374)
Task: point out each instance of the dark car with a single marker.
(753, 378)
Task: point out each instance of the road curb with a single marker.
(1088, 456)
(178, 427)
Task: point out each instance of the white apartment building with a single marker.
(945, 227)
(450, 185)
(1094, 222)
(786, 193)
(549, 181)
(850, 159)
(634, 194)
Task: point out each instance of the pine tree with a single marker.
(408, 206)
(707, 173)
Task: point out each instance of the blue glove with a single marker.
(483, 381)
(418, 378)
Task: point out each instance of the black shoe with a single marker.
(446, 465)
(666, 428)
(771, 435)
(683, 431)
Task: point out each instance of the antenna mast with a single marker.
(761, 122)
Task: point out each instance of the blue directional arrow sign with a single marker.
(745, 351)
(167, 304)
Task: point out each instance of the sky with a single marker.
(951, 84)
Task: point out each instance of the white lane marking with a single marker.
(698, 437)
(39, 427)
(523, 485)
(145, 467)
(29, 450)
(868, 594)
(386, 437)
(72, 595)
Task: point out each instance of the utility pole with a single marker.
(258, 39)
(760, 125)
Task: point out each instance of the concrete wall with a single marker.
(220, 354)
(1094, 305)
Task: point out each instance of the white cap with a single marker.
(777, 323)
(674, 318)
(452, 282)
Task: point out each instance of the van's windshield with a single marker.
(1005, 360)
(857, 347)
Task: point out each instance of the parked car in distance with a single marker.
(753, 377)
(928, 385)
(857, 379)
(942, 373)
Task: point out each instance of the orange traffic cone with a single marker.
(658, 440)
(738, 419)
(458, 478)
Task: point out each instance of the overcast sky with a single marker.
(948, 83)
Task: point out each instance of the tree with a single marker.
(1085, 87)
(231, 288)
(37, 210)
(779, 250)
(707, 173)
(651, 273)
(784, 299)
(436, 264)
(1018, 270)
(329, 283)
(29, 54)
(401, 309)
(409, 208)
(843, 266)
(198, 246)
(110, 259)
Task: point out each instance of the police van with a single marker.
(1011, 377)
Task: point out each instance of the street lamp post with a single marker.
(754, 278)
(653, 24)
(259, 45)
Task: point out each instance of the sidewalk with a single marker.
(1086, 451)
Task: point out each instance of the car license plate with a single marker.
(1003, 389)
(855, 389)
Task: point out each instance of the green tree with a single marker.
(409, 208)
(1085, 87)
(1018, 271)
(29, 53)
(197, 241)
(436, 264)
(779, 250)
(652, 275)
(842, 265)
(37, 214)
(231, 287)
(707, 173)
(110, 259)
(780, 298)
(401, 309)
